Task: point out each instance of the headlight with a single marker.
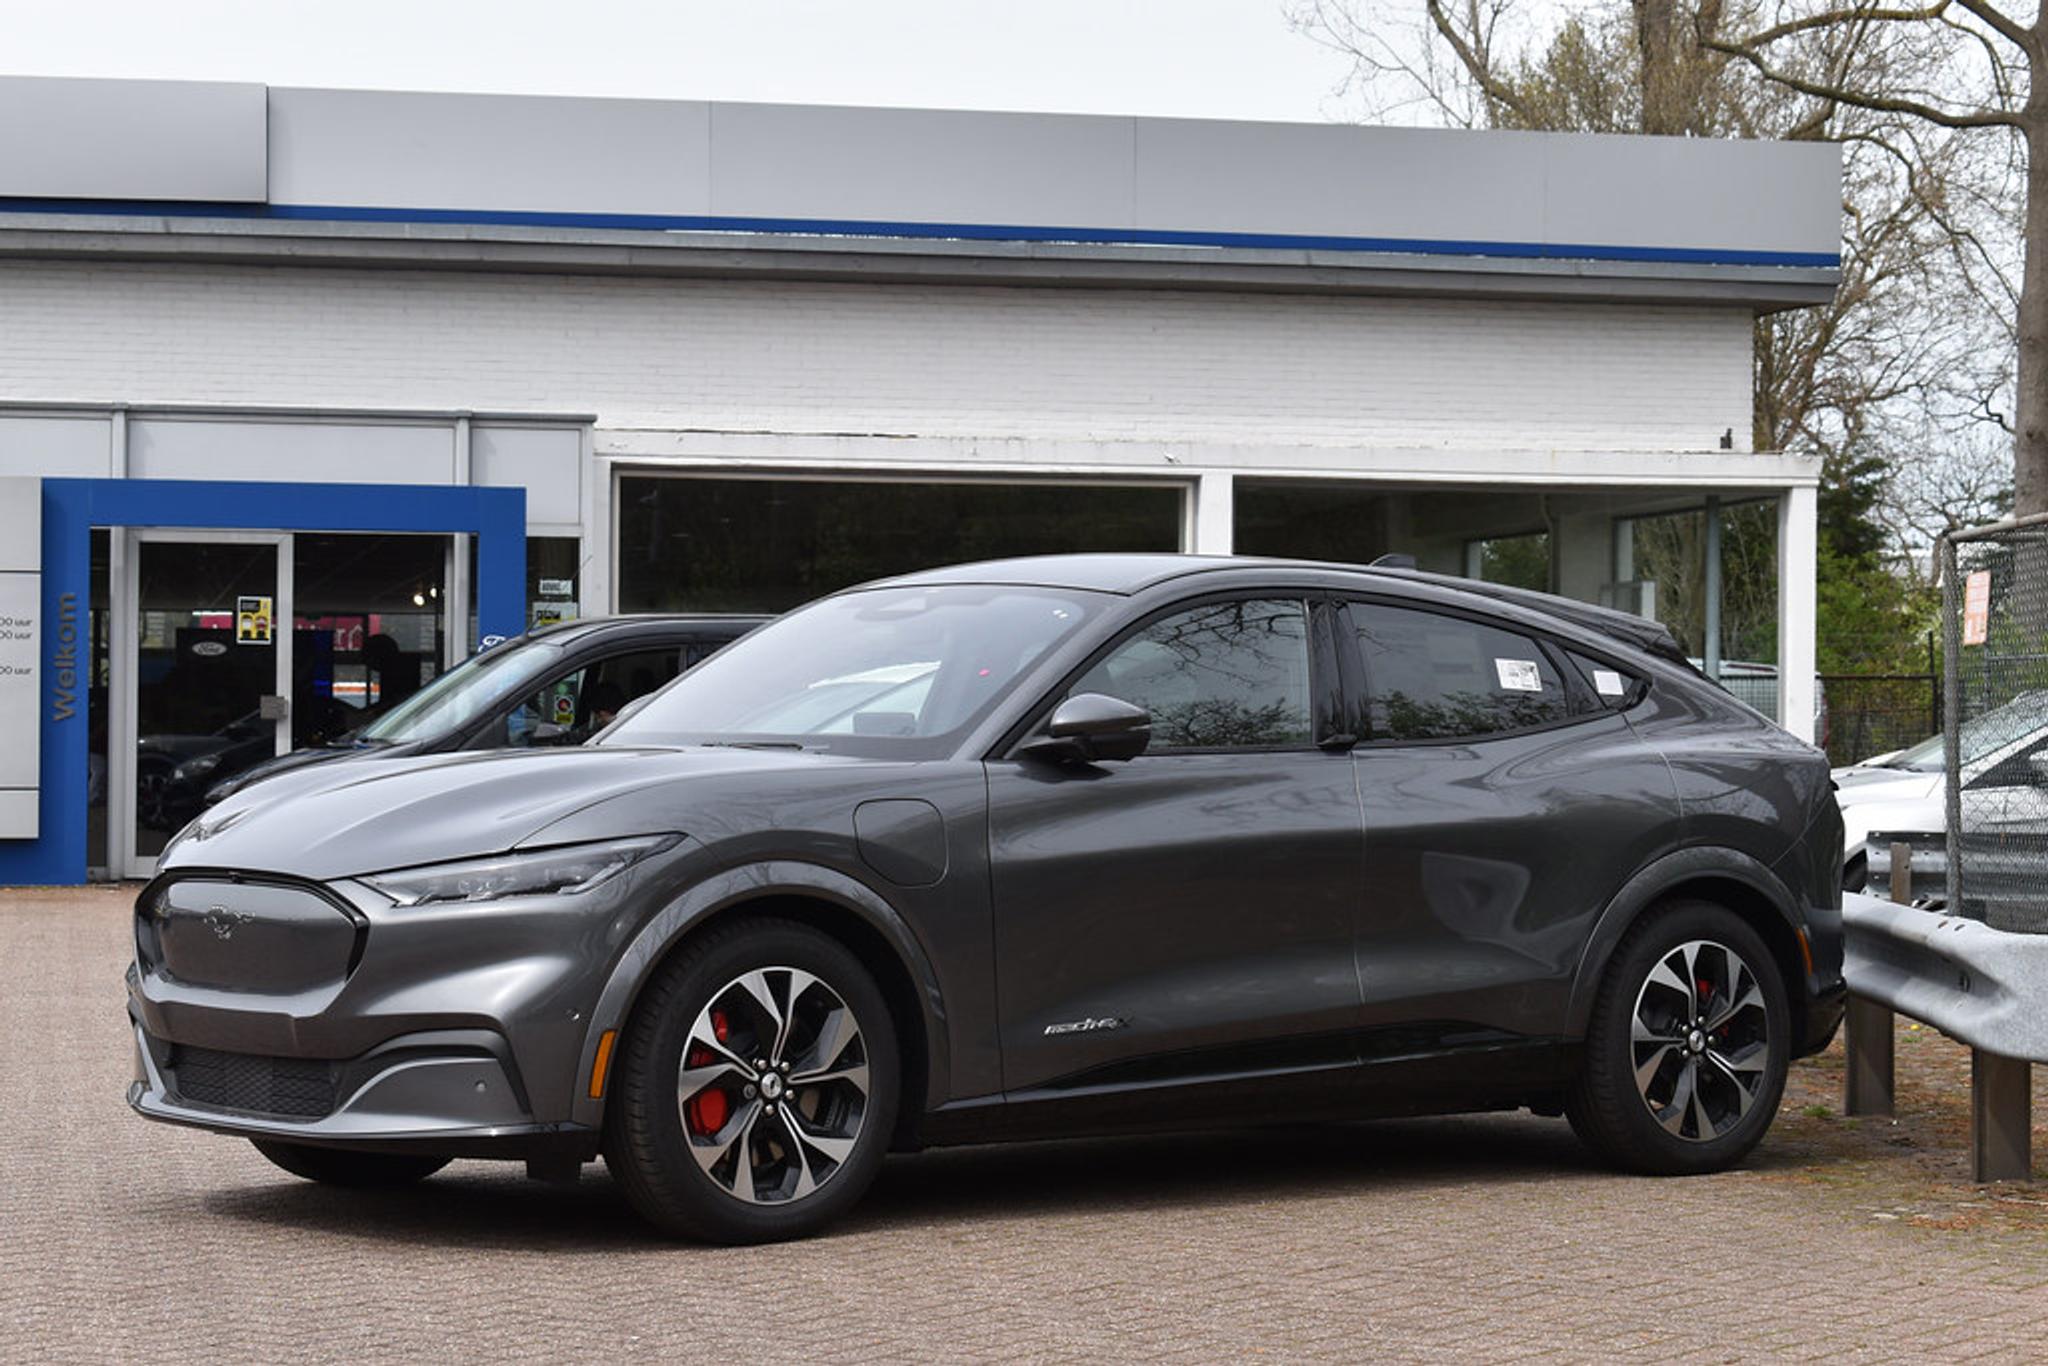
(562, 871)
(193, 769)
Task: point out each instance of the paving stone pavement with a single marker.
(1487, 1237)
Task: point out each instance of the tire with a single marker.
(152, 784)
(689, 1106)
(340, 1167)
(1709, 1093)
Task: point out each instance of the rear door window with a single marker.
(1431, 676)
(613, 682)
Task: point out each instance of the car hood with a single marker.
(283, 763)
(1868, 783)
(331, 821)
(182, 746)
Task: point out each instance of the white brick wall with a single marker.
(939, 361)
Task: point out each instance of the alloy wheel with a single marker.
(1700, 1040)
(773, 1085)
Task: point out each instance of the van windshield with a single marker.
(465, 692)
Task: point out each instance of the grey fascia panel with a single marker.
(117, 139)
(534, 154)
(782, 161)
(1692, 192)
(843, 171)
(836, 169)
(1338, 180)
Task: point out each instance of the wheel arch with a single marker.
(831, 902)
(1726, 877)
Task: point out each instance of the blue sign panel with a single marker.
(73, 507)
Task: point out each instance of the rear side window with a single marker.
(1611, 687)
(1435, 677)
(1225, 675)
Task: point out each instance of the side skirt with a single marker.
(1497, 1076)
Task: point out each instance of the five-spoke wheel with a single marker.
(1687, 1047)
(756, 1085)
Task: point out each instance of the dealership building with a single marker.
(289, 377)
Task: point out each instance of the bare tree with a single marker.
(1958, 66)
(1911, 359)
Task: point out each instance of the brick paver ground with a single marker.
(1484, 1237)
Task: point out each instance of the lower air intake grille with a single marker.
(302, 1088)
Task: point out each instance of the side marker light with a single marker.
(603, 1063)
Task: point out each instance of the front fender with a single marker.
(749, 883)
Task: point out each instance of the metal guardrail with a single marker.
(1984, 987)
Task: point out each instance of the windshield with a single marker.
(888, 671)
(464, 693)
(1978, 736)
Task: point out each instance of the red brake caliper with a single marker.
(708, 1110)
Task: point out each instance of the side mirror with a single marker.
(1089, 728)
(632, 709)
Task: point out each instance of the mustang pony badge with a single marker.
(223, 921)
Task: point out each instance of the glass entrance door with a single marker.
(209, 675)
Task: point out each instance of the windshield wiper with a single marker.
(752, 744)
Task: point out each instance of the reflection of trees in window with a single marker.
(1430, 677)
(1228, 674)
(1226, 722)
(1399, 716)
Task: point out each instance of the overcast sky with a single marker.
(1193, 58)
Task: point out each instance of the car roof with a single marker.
(1129, 574)
(1103, 573)
(723, 625)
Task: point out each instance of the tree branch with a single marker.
(1481, 70)
(1884, 104)
(1836, 17)
(2009, 28)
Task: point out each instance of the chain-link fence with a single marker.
(1865, 714)
(1994, 595)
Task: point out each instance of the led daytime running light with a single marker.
(564, 871)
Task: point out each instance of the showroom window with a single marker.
(1517, 561)
(766, 545)
(1341, 523)
(1225, 675)
(1433, 677)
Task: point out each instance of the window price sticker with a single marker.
(1608, 683)
(1518, 675)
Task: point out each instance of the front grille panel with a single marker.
(298, 1088)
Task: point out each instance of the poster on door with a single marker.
(252, 621)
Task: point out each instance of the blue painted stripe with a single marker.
(981, 232)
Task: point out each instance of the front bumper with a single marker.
(1827, 997)
(453, 1093)
(323, 1014)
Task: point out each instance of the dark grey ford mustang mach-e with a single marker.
(1040, 847)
